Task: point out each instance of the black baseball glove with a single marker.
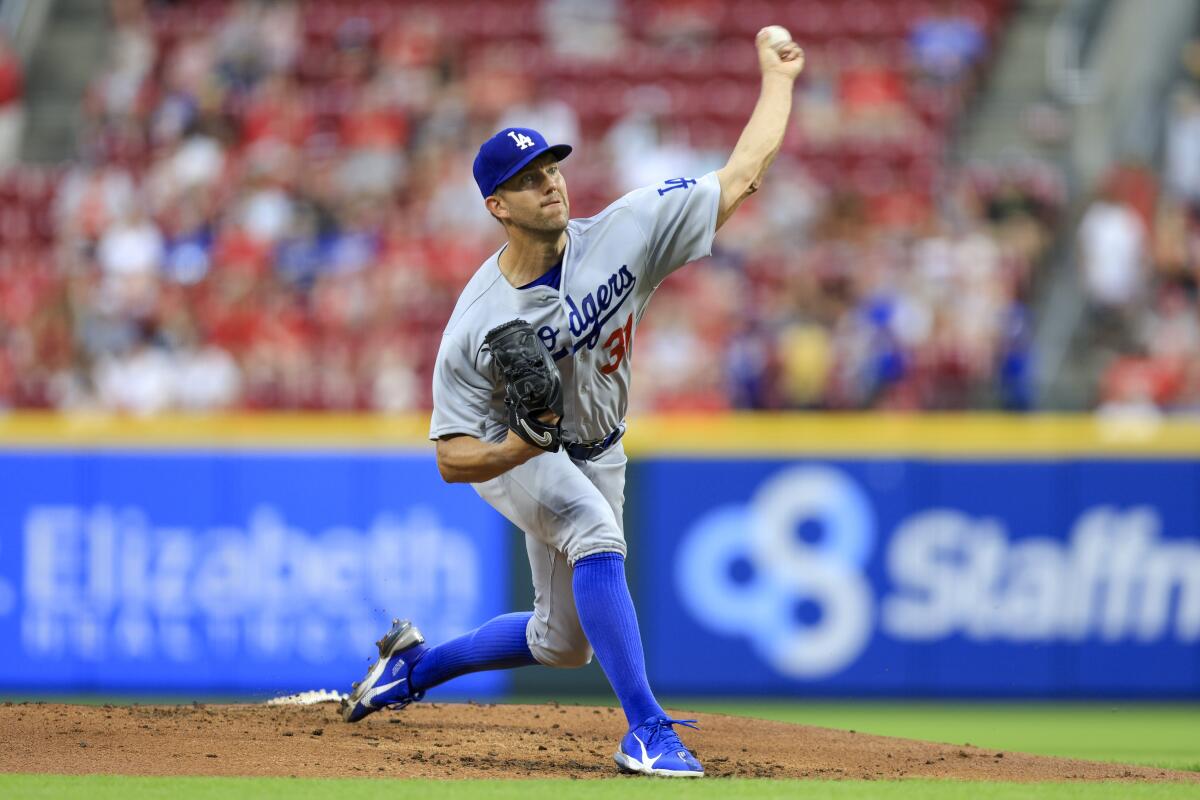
(532, 384)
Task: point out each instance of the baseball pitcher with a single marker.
(530, 391)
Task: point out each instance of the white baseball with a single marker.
(778, 36)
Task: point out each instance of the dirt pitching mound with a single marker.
(436, 740)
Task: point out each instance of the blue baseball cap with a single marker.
(507, 153)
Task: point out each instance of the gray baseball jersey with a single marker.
(570, 509)
(613, 263)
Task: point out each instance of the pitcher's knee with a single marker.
(564, 655)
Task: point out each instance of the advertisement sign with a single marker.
(247, 572)
(939, 577)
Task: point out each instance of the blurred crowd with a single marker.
(12, 113)
(836, 307)
(273, 205)
(1139, 255)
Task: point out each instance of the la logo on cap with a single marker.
(521, 139)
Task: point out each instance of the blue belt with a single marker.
(590, 451)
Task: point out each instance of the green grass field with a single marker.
(105, 787)
(1158, 735)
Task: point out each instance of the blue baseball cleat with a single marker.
(653, 748)
(386, 684)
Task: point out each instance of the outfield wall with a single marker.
(795, 555)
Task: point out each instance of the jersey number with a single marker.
(618, 345)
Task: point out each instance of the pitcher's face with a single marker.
(536, 197)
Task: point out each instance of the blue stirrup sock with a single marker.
(498, 643)
(606, 612)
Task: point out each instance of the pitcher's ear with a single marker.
(496, 207)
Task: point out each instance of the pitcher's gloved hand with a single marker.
(532, 384)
